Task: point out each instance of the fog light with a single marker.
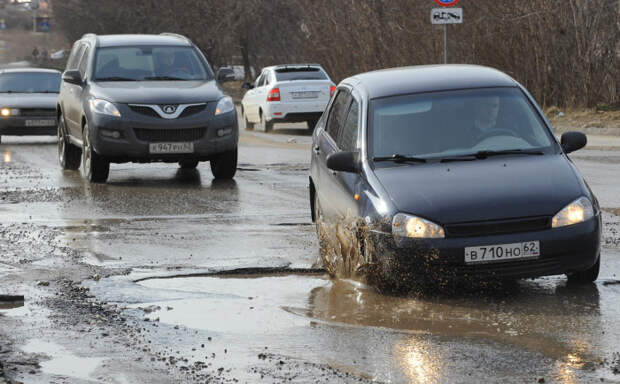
(224, 131)
(110, 133)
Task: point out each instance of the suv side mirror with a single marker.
(225, 74)
(572, 141)
(72, 77)
(344, 162)
(247, 86)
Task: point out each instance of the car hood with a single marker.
(28, 100)
(489, 189)
(157, 92)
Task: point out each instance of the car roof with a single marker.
(428, 78)
(124, 40)
(301, 65)
(29, 70)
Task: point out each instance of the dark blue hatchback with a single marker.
(455, 167)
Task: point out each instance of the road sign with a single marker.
(447, 16)
(447, 3)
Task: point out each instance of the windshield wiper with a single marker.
(114, 78)
(164, 78)
(486, 153)
(398, 158)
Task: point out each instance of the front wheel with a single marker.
(588, 276)
(224, 166)
(95, 167)
(69, 156)
(188, 164)
(312, 123)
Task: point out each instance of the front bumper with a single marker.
(562, 250)
(216, 135)
(16, 126)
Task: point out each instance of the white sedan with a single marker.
(287, 93)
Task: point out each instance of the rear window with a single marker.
(292, 74)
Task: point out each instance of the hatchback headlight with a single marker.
(225, 105)
(104, 107)
(8, 112)
(416, 227)
(576, 212)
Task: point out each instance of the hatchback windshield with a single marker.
(455, 123)
(300, 73)
(30, 82)
(149, 63)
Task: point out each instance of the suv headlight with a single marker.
(404, 225)
(104, 107)
(7, 112)
(576, 212)
(225, 105)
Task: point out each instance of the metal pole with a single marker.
(445, 43)
(34, 20)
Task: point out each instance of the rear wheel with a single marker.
(248, 126)
(588, 276)
(266, 126)
(95, 167)
(188, 164)
(69, 156)
(312, 124)
(224, 166)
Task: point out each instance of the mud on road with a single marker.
(167, 276)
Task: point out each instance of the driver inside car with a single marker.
(486, 110)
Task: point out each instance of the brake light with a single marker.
(274, 95)
(332, 89)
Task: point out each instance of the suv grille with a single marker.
(37, 112)
(148, 111)
(484, 228)
(170, 135)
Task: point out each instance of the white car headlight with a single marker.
(104, 107)
(225, 105)
(415, 227)
(576, 212)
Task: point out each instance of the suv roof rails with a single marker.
(178, 36)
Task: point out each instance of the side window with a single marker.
(347, 140)
(263, 78)
(84, 61)
(76, 54)
(258, 81)
(336, 113)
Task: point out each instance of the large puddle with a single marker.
(567, 327)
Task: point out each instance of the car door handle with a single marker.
(317, 150)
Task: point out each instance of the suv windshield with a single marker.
(455, 123)
(30, 82)
(300, 73)
(149, 63)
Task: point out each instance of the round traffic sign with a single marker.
(446, 3)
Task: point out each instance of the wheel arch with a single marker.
(312, 196)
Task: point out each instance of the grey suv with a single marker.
(143, 98)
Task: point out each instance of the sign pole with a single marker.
(445, 44)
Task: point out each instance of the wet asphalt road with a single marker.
(167, 276)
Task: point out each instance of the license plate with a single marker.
(40, 123)
(305, 95)
(159, 148)
(502, 252)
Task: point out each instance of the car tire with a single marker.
(188, 164)
(265, 126)
(587, 276)
(0, 139)
(312, 123)
(224, 166)
(69, 156)
(95, 167)
(248, 126)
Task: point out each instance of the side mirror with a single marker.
(247, 86)
(572, 141)
(225, 74)
(72, 77)
(344, 162)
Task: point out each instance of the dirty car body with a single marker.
(401, 150)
